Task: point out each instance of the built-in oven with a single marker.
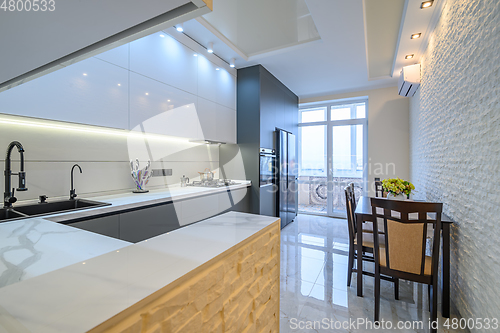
(267, 166)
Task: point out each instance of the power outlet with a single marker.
(161, 172)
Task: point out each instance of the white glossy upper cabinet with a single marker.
(166, 60)
(226, 124)
(91, 92)
(62, 32)
(207, 114)
(159, 108)
(226, 89)
(216, 84)
(118, 56)
(207, 77)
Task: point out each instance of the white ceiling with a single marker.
(336, 63)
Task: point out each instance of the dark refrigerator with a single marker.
(287, 198)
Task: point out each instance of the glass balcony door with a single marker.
(332, 153)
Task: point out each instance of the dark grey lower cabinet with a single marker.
(142, 224)
(235, 201)
(107, 226)
(145, 223)
(268, 200)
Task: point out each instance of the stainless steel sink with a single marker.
(46, 208)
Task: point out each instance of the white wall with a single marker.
(187, 98)
(388, 128)
(455, 146)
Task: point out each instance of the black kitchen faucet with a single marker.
(8, 196)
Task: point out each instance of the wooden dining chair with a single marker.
(368, 242)
(367, 226)
(401, 253)
(379, 189)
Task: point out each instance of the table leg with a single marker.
(446, 271)
(360, 257)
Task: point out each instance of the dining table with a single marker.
(363, 214)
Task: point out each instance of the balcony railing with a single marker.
(313, 194)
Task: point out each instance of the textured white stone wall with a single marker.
(455, 146)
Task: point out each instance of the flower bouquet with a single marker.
(397, 188)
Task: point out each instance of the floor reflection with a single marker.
(314, 292)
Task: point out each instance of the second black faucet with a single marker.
(72, 192)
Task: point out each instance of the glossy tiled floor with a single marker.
(314, 290)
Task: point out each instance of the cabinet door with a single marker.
(291, 114)
(241, 200)
(235, 200)
(226, 88)
(197, 209)
(226, 124)
(107, 226)
(267, 113)
(166, 60)
(145, 223)
(207, 76)
(92, 92)
(158, 108)
(118, 56)
(268, 200)
(207, 115)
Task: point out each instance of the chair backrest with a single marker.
(405, 225)
(350, 205)
(379, 189)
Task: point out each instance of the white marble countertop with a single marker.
(78, 297)
(131, 200)
(35, 246)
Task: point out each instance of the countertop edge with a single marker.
(104, 211)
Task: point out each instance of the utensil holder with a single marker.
(140, 176)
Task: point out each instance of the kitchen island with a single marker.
(222, 272)
(34, 246)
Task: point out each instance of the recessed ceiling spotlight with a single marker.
(147, 94)
(231, 63)
(217, 69)
(426, 4)
(210, 48)
(415, 36)
(179, 27)
(119, 84)
(168, 100)
(162, 36)
(195, 55)
(84, 74)
(409, 56)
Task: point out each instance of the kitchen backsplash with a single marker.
(104, 155)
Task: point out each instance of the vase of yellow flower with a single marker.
(397, 188)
